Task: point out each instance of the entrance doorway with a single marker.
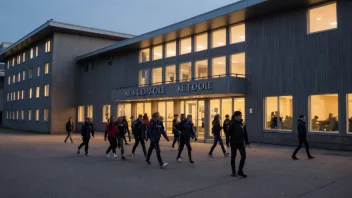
(144, 107)
(125, 109)
(166, 110)
(196, 109)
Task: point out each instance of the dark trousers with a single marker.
(120, 145)
(302, 140)
(85, 143)
(137, 141)
(216, 140)
(155, 145)
(185, 141)
(129, 137)
(176, 139)
(113, 145)
(241, 147)
(69, 136)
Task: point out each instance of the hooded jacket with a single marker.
(155, 130)
(216, 128)
(237, 133)
(301, 128)
(138, 129)
(187, 129)
(87, 129)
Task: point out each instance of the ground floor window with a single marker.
(90, 111)
(278, 112)
(166, 110)
(106, 113)
(125, 109)
(46, 115)
(37, 115)
(349, 113)
(22, 115)
(144, 107)
(323, 113)
(80, 115)
(29, 114)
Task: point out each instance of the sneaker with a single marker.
(241, 173)
(179, 159)
(226, 154)
(108, 155)
(311, 157)
(210, 155)
(123, 157)
(115, 156)
(192, 162)
(132, 155)
(78, 152)
(294, 157)
(164, 165)
(233, 175)
(148, 162)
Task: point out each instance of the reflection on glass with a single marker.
(125, 109)
(219, 67)
(285, 112)
(226, 109)
(271, 112)
(324, 113)
(202, 69)
(201, 42)
(185, 72)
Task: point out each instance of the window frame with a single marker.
(161, 74)
(37, 115)
(37, 92)
(180, 74)
(47, 112)
(46, 68)
(48, 46)
(140, 77)
(166, 48)
(140, 55)
(212, 67)
(29, 114)
(195, 42)
(46, 90)
(104, 119)
(162, 52)
(180, 46)
(165, 73)
(212, 37)
(230, 33)
(318, 6)
(79, 109)
(36, 51)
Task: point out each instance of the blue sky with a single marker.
(19, 17)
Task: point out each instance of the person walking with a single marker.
(216, 130)
(175, 131)
(302, 137)
(86, 131)
(127, 130)
(120, 136)
(154, 133)
(237, 136)
(146, 120)
(187, 132)
(226, 124)
(138, 131)
(111, 132)
(69, 129)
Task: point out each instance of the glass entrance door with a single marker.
(124, 109)
(196, 109)
(144, 107)
(166, 110)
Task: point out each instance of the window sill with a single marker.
(324, 133)
(321, 31)
(277, 131)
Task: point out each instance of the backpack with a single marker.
(226, 124)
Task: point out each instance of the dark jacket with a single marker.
(155, 130)
(226, 124)
(69, 126)
(125, 123)
(121, 129)
(138, 129)
(87, 129)
(237, 133)
(216, 128)
(174, 127)
(301, 128)
(186, 129)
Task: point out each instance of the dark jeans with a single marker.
(176, 139)
(69, 136)
(155, 145)
(241, 147)
(216, 140)
(120, 143)
(129, 137)
(302, 140)
(185, 141)
(85, 143)
(137, 141)
(113, 145)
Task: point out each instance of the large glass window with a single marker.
(30, 93)
(30, 73)
(9, 80)
(202, 69)
(157, 52)
(322, 18)
(46, 90)
(37, 92)
(106, 113)
(143, 77)
(18, 59)
(157, 75)
(201, 42)
(170, 49)
(29, 114)
(22, 115)
(19, 77)
(196, 110)
(238, 65)
(166, 110)
(38, 71)
(170, 74)
(185, 72)
(90, 111)
(46, 115)
(186, 45)
(31, 53)
(239, 105)
(125, 109)
(22, 94)
(47, 46)
(24, 75)
(46, 68)
(214, 109)
(36, 51)
(37, 115)
(24, 57)
(143, 108)
(238, 33)
(13, 78)
(278, 113)
(13, 61)
(349, 113)
(144, 55)
(218, 38)
(80, 115)
(219, 67)
(323, 113)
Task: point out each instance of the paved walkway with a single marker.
(34, 165)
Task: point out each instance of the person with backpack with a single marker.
(302, 137)
(120, 135)
(111, 132)
(69, 129)
(187, 132)
(138, 131)
(175, 131)
(216, 130)
(154, 133)
(86, 130)
(226, 124)
(127, 130)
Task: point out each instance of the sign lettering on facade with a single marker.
(145, 91)
(195, 87)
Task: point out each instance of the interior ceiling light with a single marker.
(318, 19)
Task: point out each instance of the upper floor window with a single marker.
(90, 111)
(37, 92)
(36, 51)
(157, 52)
(24, 75)
(170, 74)
(219, 67)
(46, 68)
(24, 57)
(8, 97)
(8, 64)
(22, 115)
(144, 55)
(13, 79)
(47, 46)
(37, 115)
(22, 94)
(278, 112)
(186, 45)
(19, 77)
(157, 75)
(185, 71)
(143, 77)
(218, 38)
(31, 53)
(46, 115)
(238, 33)
(80, 113)
(46, 90)
(18, 95)
(9, 80)
(323, 113)
(238, 65)
(18, 59)
(201, 42)
(322, 18)
(170, 49)
(30, 73)
(201, 69)
(29, 114)
(13, 62)
(30, 93)
(38, 71)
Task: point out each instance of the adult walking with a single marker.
(226, 124)
(138, 131)
(154, 133)
(302, 137)
(86, 131)
(237, 136)
(69, 129)
(175, 131)
(127, 130)
(216, 130)
(120, 136)
(111, 132)
(187, 132)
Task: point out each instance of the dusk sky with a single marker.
(19, 17)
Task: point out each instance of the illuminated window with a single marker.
(278, 113)
(201, 42)
(22, 94)
(19, 77)
(323, 113)
(186, 45)
(238, 65)
(46, 115)
(170, 49)
(106, 113)
(238, 33)
(17, 115)
(157, 75)
(13, 62)
(8, 64)
(24, 57)
(13, 115)
(170, 74)
(46, 90)
(22, 115)
(14, 96)
(36, 51)
(9, 80)
(144, 55)
(80, 115)
(24, 75)
(18, 59)
(46, 68)
(201, 69)
(18, 95)
(8, 97)
(38, 71)
(31, 53)
(157, 52)
(322, 18)
(185, 71)
(30, 73)
(29, 114)
(218, 38)
(30, 93)
(349, 113)
(219, 67)
(47, 47)
(144, 77)
(37, 115)
(90, 111)
(37, 92)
